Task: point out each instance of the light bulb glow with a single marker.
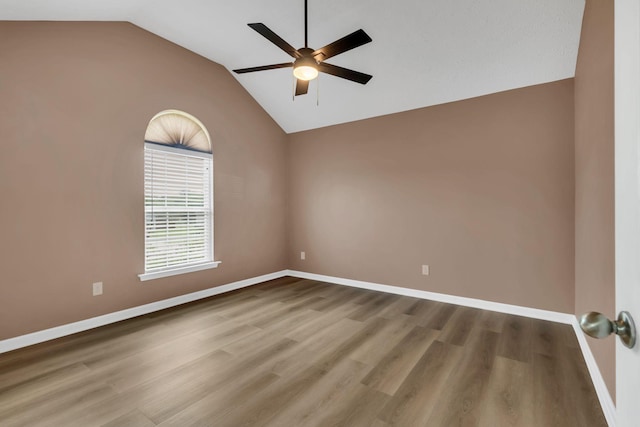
(305, 72)
(306, 67)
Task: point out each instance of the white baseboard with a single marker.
(606, 402)
(608, 407)
(94, 322)
(534, 313)
(602, 391)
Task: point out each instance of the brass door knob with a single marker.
(597, 325)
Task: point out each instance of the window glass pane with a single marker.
(178, 208)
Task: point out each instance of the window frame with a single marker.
(190, 267)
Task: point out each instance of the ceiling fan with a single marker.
(308, 62)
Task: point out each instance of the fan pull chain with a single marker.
(318, 91)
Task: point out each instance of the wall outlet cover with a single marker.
(97, 289)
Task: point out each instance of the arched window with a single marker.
(178, 196)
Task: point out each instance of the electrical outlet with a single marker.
(303, 255)
(425, 270)
(97, 289)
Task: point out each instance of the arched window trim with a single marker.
(168, 126)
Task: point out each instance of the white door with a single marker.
(627, 194)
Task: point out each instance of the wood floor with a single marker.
(294, 352)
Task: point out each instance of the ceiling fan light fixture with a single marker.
(305, 69)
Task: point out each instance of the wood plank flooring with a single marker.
(293, 352)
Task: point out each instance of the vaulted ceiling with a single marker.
(424, 52)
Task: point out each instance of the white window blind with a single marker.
(178, 207)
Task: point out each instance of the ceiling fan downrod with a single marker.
(306, 44)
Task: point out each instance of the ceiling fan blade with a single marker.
(353, 40)
(275, 39)
(302, 87)
(263, 68)
(345, 73)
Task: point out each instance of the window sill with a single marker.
(175, 271)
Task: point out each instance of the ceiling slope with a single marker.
(423, 52)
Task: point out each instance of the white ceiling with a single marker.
(424, 52)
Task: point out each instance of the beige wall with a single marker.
(75, 99)
(481, 190)
(595, 277)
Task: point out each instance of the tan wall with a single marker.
(481, 190)
(75, 99)
(595, 275)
